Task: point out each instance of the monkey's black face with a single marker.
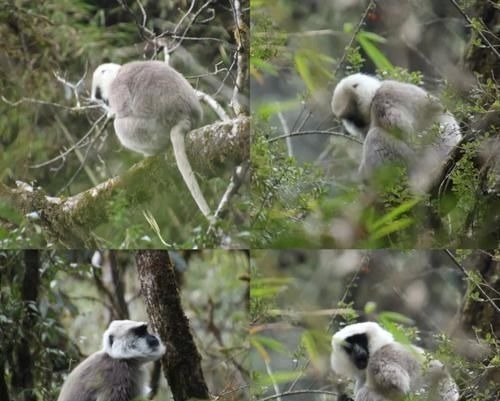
(352, 116)
(142, 332)
(357, 121)
(356, 347)
(98, 95)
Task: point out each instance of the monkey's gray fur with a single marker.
(115, 373)
(385, 370)
(152, 105)
(401, 123)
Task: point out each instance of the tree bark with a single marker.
(181, 362)
(4, 390)
(480, 58)
(22, 377)
(70, 220)
(480, 311)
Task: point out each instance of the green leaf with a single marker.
(378, 58)
(393, 214)
(266, 110)
(271, 343)
(278, 377)
(263, 65)
(395, 226)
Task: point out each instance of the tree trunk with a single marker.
(4, 390)
(482, 59)
(22, 377)
(181, 362)
(480, 311)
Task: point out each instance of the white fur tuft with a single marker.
(361, 86)
(102, 78)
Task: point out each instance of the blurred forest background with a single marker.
(445, 301)
(48, 52)
(305, 181)
(55, 306)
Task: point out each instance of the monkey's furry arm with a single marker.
(393, 371)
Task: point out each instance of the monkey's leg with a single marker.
(177, 137)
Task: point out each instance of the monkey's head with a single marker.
(101, 81)
(353, 345)
(352, 99)
(127, 339)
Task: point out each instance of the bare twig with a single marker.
(72, 86)
(214, 105)
(466, 273)
(353, 36)
(270, 373)
(79, 143)
(287, 136)
(331, 133)
(297, 392)
(241, 37)
(79, 155)
(184, 16)
(189, 25)
(47, 103)
(236, 181)
(469, 20)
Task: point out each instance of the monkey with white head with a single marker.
(152, 105)
(400, 123)
(115, 373)
(385, 370)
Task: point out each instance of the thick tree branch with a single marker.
(70, 220)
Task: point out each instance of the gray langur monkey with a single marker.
(152, 105)
(385, 370)
(400, 123)
(115, 373)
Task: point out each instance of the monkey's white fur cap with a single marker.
(126, 345)
(377, 338)
(362, 87)
(102, 78)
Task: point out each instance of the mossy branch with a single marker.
(70, 220)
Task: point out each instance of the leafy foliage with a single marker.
(319, 203)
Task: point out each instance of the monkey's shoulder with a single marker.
(99, 372)
(405, 356)
(153, 89)
(409, 96)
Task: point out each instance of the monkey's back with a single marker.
(404, 107)
(148, 99)
(152, 89)
(102, 378)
